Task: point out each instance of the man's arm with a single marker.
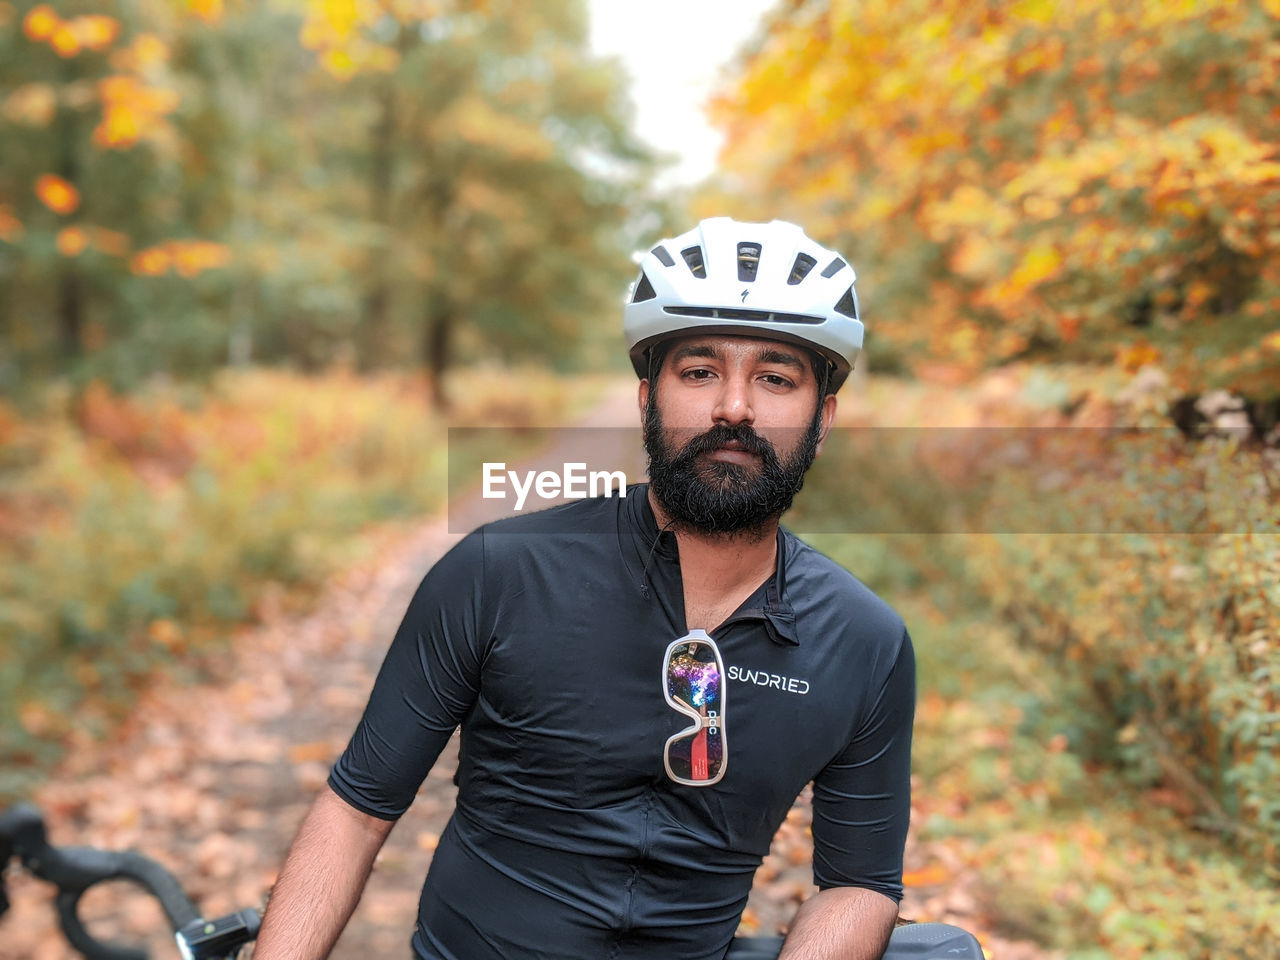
(861, 807)
(841, 923)
(321, 881)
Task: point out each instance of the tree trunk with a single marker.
(70, 312)
(372, 336)
(435, 349)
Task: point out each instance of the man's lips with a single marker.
(733, 452)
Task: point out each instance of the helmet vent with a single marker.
(693, 257)
(644, 289)
(729, 313)
(834, 267)
(800, 269)
(661, 253)
(748, 260)
(847, 304)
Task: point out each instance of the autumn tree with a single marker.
(102, 254)
(1089, 180)
(190, 182)
(496, 168)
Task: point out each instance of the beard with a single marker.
(719, 498)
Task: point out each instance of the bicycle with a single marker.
(74, 870)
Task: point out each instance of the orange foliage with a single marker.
(57, 194)
(131, 110)
(71, 241)
(1061, 167)
(159, 437)
(74, 240)
(69, 37)
(41, 22)
(210, 11)
(188, 258)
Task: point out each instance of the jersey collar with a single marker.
(769, 604)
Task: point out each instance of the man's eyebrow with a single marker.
(770, 355)
(704, 351)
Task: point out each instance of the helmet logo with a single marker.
(744, 295)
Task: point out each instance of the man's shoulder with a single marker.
(821, 583)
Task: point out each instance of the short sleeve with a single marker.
(862, 799)
(428, 682)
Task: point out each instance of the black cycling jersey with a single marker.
(569, 839)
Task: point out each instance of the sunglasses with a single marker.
(693, 682)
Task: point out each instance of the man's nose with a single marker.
(733, 403)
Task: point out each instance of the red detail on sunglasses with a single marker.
(698, 751)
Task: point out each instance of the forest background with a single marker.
(256, 257)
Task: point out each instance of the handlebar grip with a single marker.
(73, 870)
(68, 903)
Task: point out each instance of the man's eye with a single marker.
(777, 381)
(698, 373)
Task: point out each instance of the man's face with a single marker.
(731, 426)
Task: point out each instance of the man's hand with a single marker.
(321, 881)
(841, 923)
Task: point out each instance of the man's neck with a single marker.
(719, 571)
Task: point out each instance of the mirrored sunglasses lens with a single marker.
(694, 680)
(697, 757)
(693, 677)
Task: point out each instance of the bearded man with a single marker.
(643, 695)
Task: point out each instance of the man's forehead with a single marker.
(717, 345)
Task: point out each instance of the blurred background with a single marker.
(256, 257)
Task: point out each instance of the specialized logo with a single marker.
(763, 678)
(744, 295)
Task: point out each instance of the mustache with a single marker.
(722, 434)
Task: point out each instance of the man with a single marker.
(643, 695)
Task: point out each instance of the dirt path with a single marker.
(213, 779)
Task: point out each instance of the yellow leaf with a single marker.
(64, 41)
(131, 110)
(41, 22)
(57, 194)
(1040, 263)
(339, 63)
(210, 11)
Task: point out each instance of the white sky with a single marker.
(674, 50)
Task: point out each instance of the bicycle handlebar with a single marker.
(73, 870)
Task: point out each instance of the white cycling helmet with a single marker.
(755, 279)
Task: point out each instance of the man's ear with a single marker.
(644, 398)
(828, 418)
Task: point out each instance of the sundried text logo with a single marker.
(762, 678)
